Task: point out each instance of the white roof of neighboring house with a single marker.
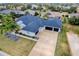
(18, 12)
(54, 14)
(5, 11)
(74, 14)
(64, 13)
(32, 12)
(34, 6)
(9, 11)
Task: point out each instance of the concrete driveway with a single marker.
(46, 44)
(3, 54)
(73, 40)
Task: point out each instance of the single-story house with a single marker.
(65, 14)
(74, 14)
(14, 11)
(31, 25)
(32, 12)
(5, 12)
(77, 9)
(54, 14)
(18, 12)
(34, 6)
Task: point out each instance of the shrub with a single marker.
(74, 20)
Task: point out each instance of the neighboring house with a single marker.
(5, 11)
(33, 6)
(64, 14)
(32, 12)
(9, 11)
(74, 14)
(31, 25)
(18, 12)
(66, 7)
(54, 14)
(19, 7)
(2, 7)
(77, 9)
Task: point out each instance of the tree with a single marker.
(8, 24)
(36, 14)
(72, 9)
(74, 20)
(14, 15)
(29, 6)
(52, 8)
(23, 8)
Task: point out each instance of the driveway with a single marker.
(73, 40)
(3, 54)
(46, 44)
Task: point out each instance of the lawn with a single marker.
(73, 28)
(62, 48)
(21, 47)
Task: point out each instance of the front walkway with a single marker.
(73, 40)
(46, 44)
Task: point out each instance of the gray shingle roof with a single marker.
(5, 11)
(9, 11)
(33, 23)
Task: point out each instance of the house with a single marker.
(54, 14)
(32, 12)
(31, 25)
(65, 14)
(14, 11)
(18, 12)
(5, 11)
(77, 9)
(34, 6)
(74, 14)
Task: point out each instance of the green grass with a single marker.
(73, 28)
(62, 48)
(21, 47)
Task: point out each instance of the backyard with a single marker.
(21, 47)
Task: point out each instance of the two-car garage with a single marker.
(48, 28)
(53, 24)
(53, 29)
